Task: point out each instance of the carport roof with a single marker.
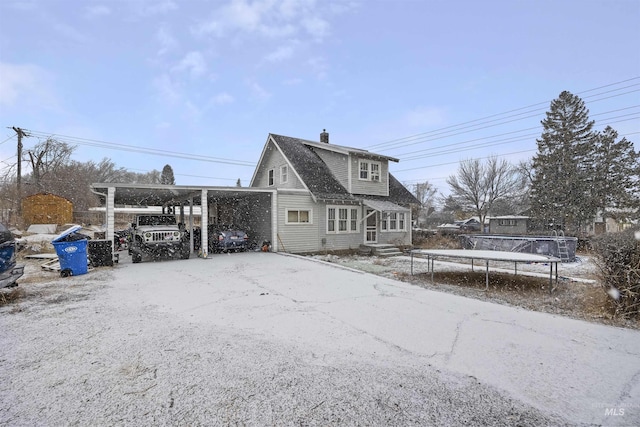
(161, 195)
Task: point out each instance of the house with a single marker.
(331, 197)
(509, 224)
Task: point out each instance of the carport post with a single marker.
(110, 208)
(191, 224)
(204, 238)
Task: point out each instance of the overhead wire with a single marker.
(132, 148)
(419, 138)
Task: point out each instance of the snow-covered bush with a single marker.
(617, 256)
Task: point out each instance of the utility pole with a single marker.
(20, 133)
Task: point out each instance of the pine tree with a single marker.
(617, 175)
(167, 176)
(562, 186)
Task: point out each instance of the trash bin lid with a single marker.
(66, 232)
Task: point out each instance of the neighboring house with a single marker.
(509, 224)
(610, 224)
(330, 197)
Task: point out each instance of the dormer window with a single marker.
(375, 172)
(369, 171)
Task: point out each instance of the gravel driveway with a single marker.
(268, 339)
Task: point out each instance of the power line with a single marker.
(484, 120)
(137, 149)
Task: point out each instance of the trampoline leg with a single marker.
(486, 288)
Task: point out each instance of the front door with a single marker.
(371, 231)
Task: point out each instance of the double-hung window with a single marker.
(369, 171)
(270, 174)
(342, 220)
(284, 174)
(394, 221)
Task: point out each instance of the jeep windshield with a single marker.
(157, 220)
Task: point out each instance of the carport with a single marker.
(249, 208)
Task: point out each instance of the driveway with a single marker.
(264, 338)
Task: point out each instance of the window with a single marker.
(354, 220)
(331, 220)
(342, 220)
(284, 174)
(375, 172)
(298, 216)
(364, 170)
(394, 221)
(369, 171)
(508, 222)
(271, 172)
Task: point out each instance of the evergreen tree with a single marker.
(617, 175)
(562, 185)
(167, 176)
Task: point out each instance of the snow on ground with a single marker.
(268, 339)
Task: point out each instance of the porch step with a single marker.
(381, 250)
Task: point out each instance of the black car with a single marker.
(10, 272)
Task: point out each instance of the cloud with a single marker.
(264, 18)
(27, 83)
(222, 99)
(156, 7)
(169, 90)
(95, 11)
(193, 63)
(258, 91)
(70, 32)
(319, 66)
(424, 117)
(280, 54)
(318, 28)
(166, 40)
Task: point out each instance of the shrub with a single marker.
(617, 256)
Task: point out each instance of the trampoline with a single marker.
(487, 256)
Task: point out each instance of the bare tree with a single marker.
(478, 186)
(425, 193)
(46, 159)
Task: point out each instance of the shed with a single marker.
(46, 208)
(509, 224)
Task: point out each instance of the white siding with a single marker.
(359, 186)
(273, 159)
(297, 238)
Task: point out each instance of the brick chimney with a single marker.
(324, 136)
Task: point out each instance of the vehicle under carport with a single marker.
(196, 207)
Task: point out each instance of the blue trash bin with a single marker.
(72, 254)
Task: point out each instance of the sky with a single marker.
(200, 84)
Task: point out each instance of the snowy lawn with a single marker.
(269, 339)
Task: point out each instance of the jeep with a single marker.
(157, 236)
